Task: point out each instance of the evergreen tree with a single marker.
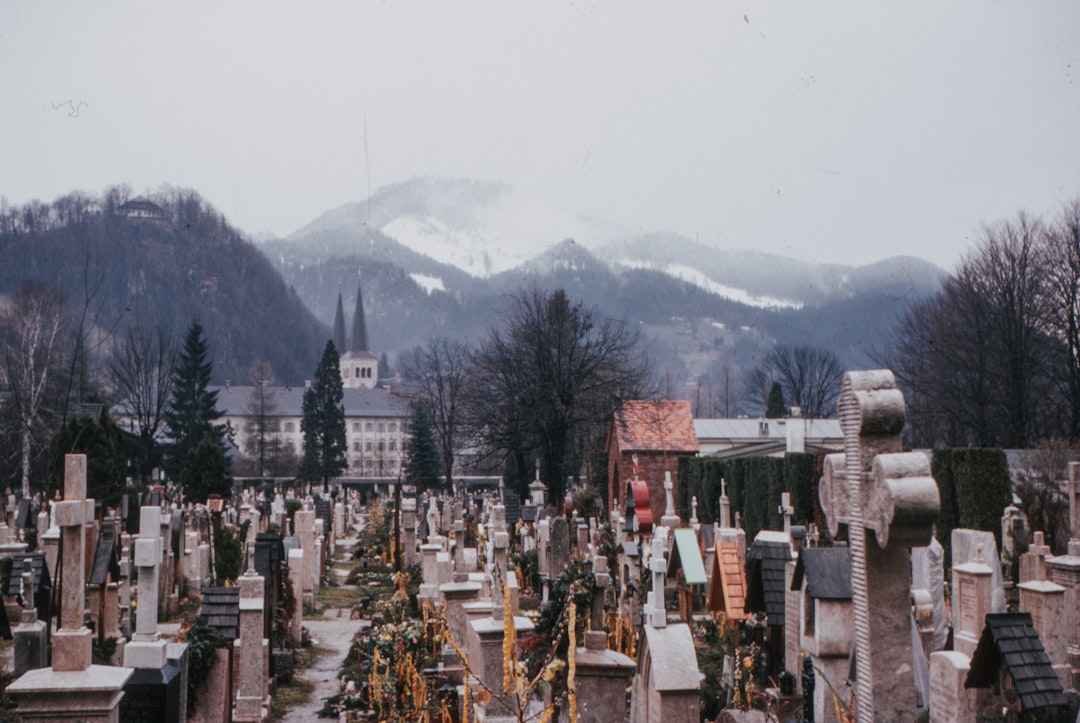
(776, 408)
(323, 423)
(193, 410)
(103, 444)
(206, 472)
(422, 467)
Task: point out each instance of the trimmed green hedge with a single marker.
(975, 489)
(754, 488)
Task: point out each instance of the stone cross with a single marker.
(670, 520)
(786, 510)
(873, 487)
(147, 649)
(72, 642)
(655, 612)
(725, 507)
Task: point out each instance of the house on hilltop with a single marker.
(142, 209)
(655, 434)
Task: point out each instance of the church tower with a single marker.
(359, 367)
(339, 327)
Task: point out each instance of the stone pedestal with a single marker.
(252, 701)
(30, 648)
(971, 603)
(1064, 570)
(296, 576)
(486, 660)
(602, 677)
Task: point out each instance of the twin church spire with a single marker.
(359, 329)
(359, 367)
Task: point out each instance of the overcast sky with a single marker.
(822, 130)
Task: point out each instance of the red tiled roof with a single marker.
(643, 425)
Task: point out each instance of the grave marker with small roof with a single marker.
(1011, 660)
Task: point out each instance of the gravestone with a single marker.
(964, 545)
(971, 602)
(251, 651)
(153, 692)
(1033, 562)
(888, 502)
(73, 687)
(950, 702)
(560, 546)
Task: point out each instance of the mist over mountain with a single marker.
(695, 306)
(440, 257)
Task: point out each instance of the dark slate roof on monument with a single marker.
(38, 567)
(289, 402)
(221, 610)
(765, 562)
(1010, 639)
(646, 425)
(827, 571)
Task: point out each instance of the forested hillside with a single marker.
(116, 270)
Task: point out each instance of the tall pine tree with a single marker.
(323, 423)
(422, 467)
(776, 407)
(192, 414)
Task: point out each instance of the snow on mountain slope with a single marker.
(490, 233)
(697, 278)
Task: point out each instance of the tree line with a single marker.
(993, 358)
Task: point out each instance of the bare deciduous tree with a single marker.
(141, 373)
(550, 372)
(32, 331)
(441, 367)
(809, 376)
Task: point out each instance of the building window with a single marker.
(368, 446)
(382, 446)
(356, 426)
(393, 445)
(370, 427)
(289, 427)
(382, 428)
(356, 446)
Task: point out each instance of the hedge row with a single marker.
(754, 485)
(975, 489)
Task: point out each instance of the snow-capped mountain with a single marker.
(481, 227)
(439, 257)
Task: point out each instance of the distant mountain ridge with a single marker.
(433, 257)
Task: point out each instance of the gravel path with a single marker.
(335, 632)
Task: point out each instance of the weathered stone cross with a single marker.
(875, 486)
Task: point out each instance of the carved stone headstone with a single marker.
(888, 502)
(560, 546)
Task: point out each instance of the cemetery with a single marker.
(839, 587)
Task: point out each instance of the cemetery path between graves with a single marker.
(334, 632)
